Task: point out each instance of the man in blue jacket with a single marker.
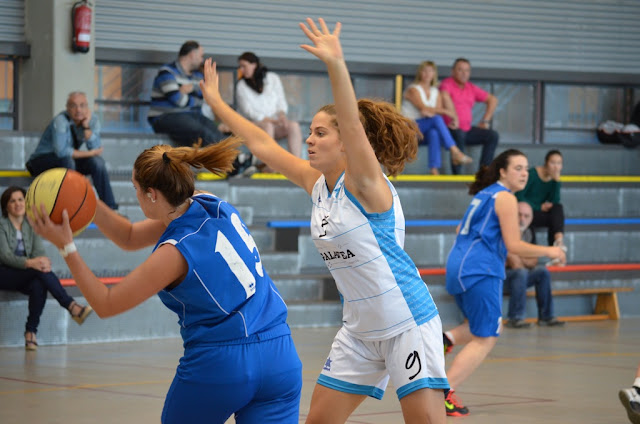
(63, 142)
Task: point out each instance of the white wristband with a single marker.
(68, 249)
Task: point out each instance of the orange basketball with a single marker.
(59, 189)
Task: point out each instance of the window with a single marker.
(305, 93)
(7, 108)
(514, 117)
(374, 87)
(123, 95)
(573, 112)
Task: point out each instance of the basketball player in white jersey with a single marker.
(391, 327)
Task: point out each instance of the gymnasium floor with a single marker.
(539, 375)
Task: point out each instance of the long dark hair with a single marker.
(488, 175)
(551, 153)
(6, 195)
(256, 82)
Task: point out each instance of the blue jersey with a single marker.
(479, 249)
(226, 295)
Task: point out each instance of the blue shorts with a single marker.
(259, 382)
(481, 304)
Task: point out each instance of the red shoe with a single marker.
(453, 406)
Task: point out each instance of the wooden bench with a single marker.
(606, 303)
(606, 306)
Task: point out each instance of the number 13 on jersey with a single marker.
(238, 265)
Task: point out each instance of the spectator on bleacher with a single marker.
(357, 225)
(239, 356)
(542, 192)
(176, 105)
(260, 98)
(25, 268)
(422, 102)
(524, 272)
(464, 95)
(176, 100)
(62, 146)
(475, 268)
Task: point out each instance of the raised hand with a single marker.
(209, 86)
(326, 45)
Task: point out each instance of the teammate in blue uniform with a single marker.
(475, 266)
(390, 322)
(239, 357)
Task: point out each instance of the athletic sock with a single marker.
(450, 337)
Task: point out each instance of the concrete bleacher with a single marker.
(295, 265)
(122, 149)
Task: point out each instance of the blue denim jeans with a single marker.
(94, 166)
(487, 138)
(186, 128)
(516, 284)
(34, 284)
(435, 134)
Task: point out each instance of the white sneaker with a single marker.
(631, 401)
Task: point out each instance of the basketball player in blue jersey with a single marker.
(476, 263)
(239, 357)
(390, 323)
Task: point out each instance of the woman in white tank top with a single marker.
(422, 103)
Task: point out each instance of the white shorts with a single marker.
(413, 360)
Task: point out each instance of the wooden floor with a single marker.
(537, 375)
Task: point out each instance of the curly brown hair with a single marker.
(169, 169)
(394, 138)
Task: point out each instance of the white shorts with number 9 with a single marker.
(413, 360)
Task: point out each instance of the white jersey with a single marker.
(382, 292)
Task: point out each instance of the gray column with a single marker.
(53, 70)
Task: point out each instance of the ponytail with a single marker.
(169, 169)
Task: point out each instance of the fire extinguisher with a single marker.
(81, 26)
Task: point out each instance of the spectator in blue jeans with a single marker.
(63, 142)
(463, 94)
(423, 103)
(522, 273)
(25, 268)
(176, 105)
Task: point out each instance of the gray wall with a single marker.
(577, 36)
(54, 70)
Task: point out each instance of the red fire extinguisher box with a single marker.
(81, 26)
